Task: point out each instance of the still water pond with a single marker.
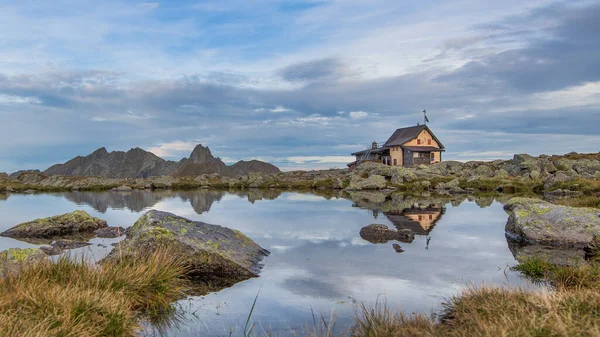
(319, 262)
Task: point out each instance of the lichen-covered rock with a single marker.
(538, 221)
(372, 182)
(377, 233)
(211, 253)
(56, 226)
(14, 259)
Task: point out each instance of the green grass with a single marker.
(76, 298)
(587, 186)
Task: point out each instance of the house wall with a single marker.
(424, 136)
(396, 153)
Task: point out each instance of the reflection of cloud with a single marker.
(312, 287)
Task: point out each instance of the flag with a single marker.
(425, 113)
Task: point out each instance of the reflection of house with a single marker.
(411, 146)
(420, 220)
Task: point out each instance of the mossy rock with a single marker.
(14, 259)
(56, 226)
(213, 254)
(538, 221)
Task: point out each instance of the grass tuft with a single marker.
(77, 298)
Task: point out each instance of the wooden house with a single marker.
(407, 147)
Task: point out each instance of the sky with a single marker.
(298, 83)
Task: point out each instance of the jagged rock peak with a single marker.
(201, 154)
(100, 151)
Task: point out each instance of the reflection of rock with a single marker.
(110, 232)
(56, 226)
(397, 248)
(213, 254)
(59, 246)
(12, 260)
(484, 202)
(201, 201)
(557, 255)
(135, 200)
(541, 222)
(376, 233)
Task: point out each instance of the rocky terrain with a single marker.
(137, 163)
(569, 175)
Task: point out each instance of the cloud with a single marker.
(13, 99)
(172, 149)
(313, 71)
(125, 117)
(358, 114)
(308, 83)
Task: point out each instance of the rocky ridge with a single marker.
(138, 163)
(568, 175)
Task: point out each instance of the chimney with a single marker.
(374, 145)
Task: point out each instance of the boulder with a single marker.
(451, 186)
(484, 171)
(375, 168)
(377, 233)
(109, 232)
(56, 226)
(3, 176)
(538, 221)
(211, 253)
(372, 182)
(14, 259)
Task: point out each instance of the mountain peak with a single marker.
(201, 154)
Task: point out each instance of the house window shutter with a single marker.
(428, 141)
(418, 142)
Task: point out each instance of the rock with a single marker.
(212, 253)
(110, 232)
(377, 233)
(451, 186)
(3, 176)
(501, 173)
(59, 246)
(60, 225)
(123, 188)
(375, 168)
(535, 174)
(373, 182)
(484, 171)
(537, 221)
(397, 248)
(14, 259)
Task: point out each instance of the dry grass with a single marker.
(75, 298)
(572, 309)
(584, 201)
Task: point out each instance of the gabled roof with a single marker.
(404, 135)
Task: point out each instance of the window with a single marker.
(395, 162)
(418, 142)
(428, 141)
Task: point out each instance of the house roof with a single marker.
(377, 150)
(404, 135)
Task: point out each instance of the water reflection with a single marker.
(318, 261)
(139, 200)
